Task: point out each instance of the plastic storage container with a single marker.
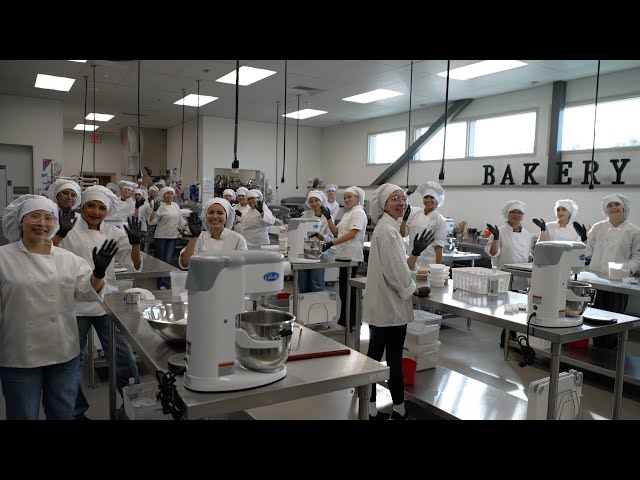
(421, 334)
(140, 402)
(475, 279)
(425, 360)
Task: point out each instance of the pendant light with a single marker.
(593, 147)
(184, 94)
(409, 130)
(139, 137)
(446, 107)
(284, 130)
(297, 140)
(84, 130)
(236, 163)
(277, 125)
(205, 71)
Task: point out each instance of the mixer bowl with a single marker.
(169, 320)
(575, 308)
(265, 325)
(312, 248)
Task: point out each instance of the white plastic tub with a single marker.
(421, 334)
(425, 360)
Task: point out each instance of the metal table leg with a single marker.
(364, 392)
(507, 337)
(358, 319)
(554, 374)
(91, 361)
(347, 321)
(112, 369)
(295, 294)
(619, 381)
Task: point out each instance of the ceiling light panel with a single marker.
(305, 113)
(373, 96)
(100, 117)
(248, 75)
(50, 82)
(191, 100)
(86, 128)
(487, 67)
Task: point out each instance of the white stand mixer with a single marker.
(217, 283)
(299, 230)
(553, 264)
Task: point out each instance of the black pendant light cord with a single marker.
(297, 140)
(94, 120)
(410, 139)
(139, 137)
(236, 163)
(184, 93)
(198, 137)
(84, 130)
(595, 111)
(446, 108)
(277, 125)
(284, 130)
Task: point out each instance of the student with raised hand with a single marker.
(66, 194)
(91, 230)
(387, 304)
(40, 288)
(563, 228)
(240, 208)
(332, 203)
(256, 222)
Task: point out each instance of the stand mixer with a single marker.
(217, 283)
(300, 230)
(553, 264)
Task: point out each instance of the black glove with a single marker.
(67, 220)
(260, 206)
(494, 231)
(326, 246)
(238, 213)
(102, 258)
(314, 234)
(580, 229)
(326, 212)
(421, 241)
(134, 232)
(139, 203)
(195, 225)
(422, 292)
(407, 212)
(155, 204)
(540, 223)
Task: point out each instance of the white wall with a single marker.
(34, 122)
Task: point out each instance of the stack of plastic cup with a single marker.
(438, 274)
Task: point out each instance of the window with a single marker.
(386, 147)
(456, 142)
(617, 125)
(504, 135)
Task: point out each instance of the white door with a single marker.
(16, 178)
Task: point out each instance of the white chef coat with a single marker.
(432, 221)
(144, 211)
(229, 240)
(334, 208)
(606, 243)
(167, 221)
(255, 227)
(355, 218)
(237, 222)
(126, 208)
(556, 233)
(387, 295)
(324, 225)
(38, 295)
(81, 241)
(512, 248)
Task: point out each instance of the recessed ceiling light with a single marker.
(100, 117)
(86, 128)
(49, 82)
(372, 96)
(487, 67)
(305, 113)
(248, 75)
(79, 61)
(191, 100)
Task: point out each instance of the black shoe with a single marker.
(379, 416)
(396, 416)
(83, 417)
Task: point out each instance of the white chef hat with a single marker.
(153, 188)
(569, 205)
(513, 205)
(128, 185)
(114, 188)
(61, 184)
(102, 194)
(141, 192)
(379, 199)
(22, 205)
(231, 213)
(358, 192)
(626, 205)
(242, 191)
(161, 182)
(316, 194)
(331, 186)
(432, 188)
(260, 197)
(229, 191)
(164, 190)
(253, 193)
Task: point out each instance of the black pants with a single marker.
(342, 283)
(612, 302)
(390, 339)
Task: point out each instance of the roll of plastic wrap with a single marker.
(287, 268)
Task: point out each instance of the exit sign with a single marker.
(95, 138)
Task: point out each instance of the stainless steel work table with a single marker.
(151, 268)
(304, 378)
(448, 257)
(490, 310)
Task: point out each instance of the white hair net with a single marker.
(431, 188)
(358, 192)
(258, 192)
(102, 194)
(569, 205)
(161, 182)
(154, 188)
(141, 192)
(231, 213)
(61, 184)
(22, 205)
(331, 186)
(316, 194)
(253, 194)
(129, 185)
(164, 190)
(242, 191)
(626, 205)
(379, 199)
(228, 191)
(513, 205)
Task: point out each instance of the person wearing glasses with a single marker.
(416, 220)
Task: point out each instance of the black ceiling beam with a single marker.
(452, 113)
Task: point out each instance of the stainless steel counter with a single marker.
(151, 268)
(304, 377)
(490, 310)
(448, 257)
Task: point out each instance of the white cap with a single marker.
(61, 184)
(231, 213)
(228, 191)
(331, 186)
(432, 188)
(128, 185)
(165, 190)
(102, 194)
(570, 205)
(254, 194)
(18, 208)
(242, 191)
(154, 188)
(626, 205)
(513, 205)
(379, 199)
(316, 194)
(358, 192)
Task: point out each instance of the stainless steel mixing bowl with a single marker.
(169, 320)
(312, 248)
(265, 325)
(575, 308)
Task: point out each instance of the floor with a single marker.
(473, 352)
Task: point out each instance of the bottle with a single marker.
(493, 282)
